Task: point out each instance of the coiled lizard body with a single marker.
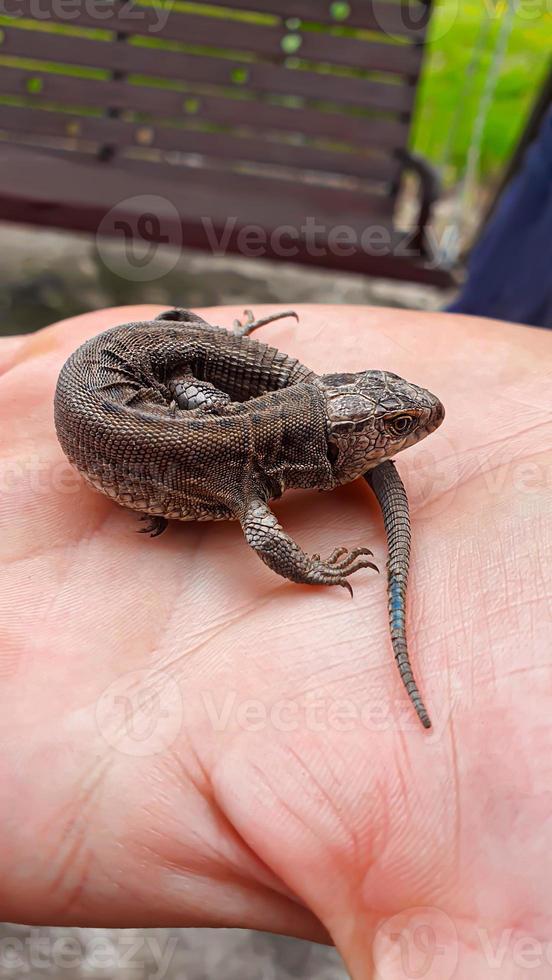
(177, 419)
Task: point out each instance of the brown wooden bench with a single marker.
(278, 129)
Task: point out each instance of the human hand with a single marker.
(187, 739)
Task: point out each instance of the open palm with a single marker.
(187, 739)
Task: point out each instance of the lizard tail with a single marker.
(391, 494)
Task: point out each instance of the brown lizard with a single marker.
(175, 418)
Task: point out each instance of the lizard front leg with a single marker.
(249, 324)
(283, 555)
(242, 329)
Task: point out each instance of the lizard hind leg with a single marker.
(249, 323)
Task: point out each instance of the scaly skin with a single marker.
(388, 488)
(178, 419)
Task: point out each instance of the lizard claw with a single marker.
(244, 324)
(343, 557)
(155, 526)
(336, 553)
(336, 569)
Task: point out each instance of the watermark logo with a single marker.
(145, 225)
(409, 19)
(416, 944)
(140, 713)
(434, 476)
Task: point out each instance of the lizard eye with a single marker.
(402, 425)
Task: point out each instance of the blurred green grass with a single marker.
(446, 111)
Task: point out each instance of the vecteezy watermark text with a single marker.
(153, 16)
(317, 713)
(147, 956)
(150, 229)
(319, 240)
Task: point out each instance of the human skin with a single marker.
(187, 739)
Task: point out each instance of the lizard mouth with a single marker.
(436, 417)
(437, 414)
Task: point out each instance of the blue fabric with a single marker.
(510, 269)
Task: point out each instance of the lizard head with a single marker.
(373, 415)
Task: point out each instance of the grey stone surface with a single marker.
(47, 275)
(161, 954)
